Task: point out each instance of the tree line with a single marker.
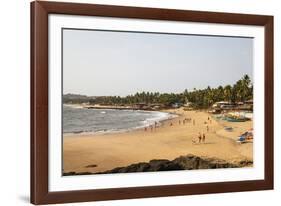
(241, 91)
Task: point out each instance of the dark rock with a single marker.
(88, 166)
(188, 162)
(245, 163)
(76, 173)
(69, 173)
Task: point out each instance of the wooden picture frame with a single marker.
(40, 193)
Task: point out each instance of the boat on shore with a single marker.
(234, 116)
(246, 137)
(236, 119)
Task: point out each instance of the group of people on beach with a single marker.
(157, 124)
(201, 136)
(185, 120)
(152, 127)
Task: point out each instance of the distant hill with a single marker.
(76, 98)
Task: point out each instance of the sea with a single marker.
(78, 120)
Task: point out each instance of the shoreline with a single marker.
(117, 107)
(165, 142)
(159, 120)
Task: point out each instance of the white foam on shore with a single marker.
(74, 106)
(161, 116)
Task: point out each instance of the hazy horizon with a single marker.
(189, 90)
(106, 63)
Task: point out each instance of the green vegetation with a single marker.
(241, 91)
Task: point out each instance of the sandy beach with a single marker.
(98, 153)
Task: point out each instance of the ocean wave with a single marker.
(143, 119)
(162, 116)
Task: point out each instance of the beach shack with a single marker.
(176, 105)
(246, 105)
(187, 106)
(223, 105)
(249, 104)
(140, 106)
(220, 104)
(157, 106)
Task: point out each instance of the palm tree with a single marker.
(246, 84)
(227, 92)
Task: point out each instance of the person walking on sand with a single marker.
(203, 138)
(199, 138)
(179, 122)
(193, 141)
(194, 122)
(207, 128)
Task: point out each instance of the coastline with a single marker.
(162, 117)
(170, 140)
(119, 107)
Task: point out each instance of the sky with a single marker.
(104, 63)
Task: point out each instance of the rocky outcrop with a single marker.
(76, 173)
(188, 162)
